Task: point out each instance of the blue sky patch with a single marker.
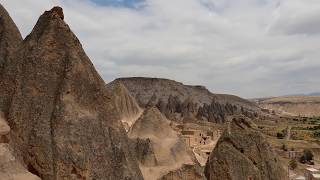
(121, 3)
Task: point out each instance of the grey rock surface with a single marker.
(183, 102)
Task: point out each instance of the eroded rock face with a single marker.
(168, 148)
(186, 172)
(144, 152)
(126, 105)
(181, 102)
(243, 153)
(10, 39)
(10, 168)
(64, 124)
(4, 128)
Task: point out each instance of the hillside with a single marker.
(308, 106)
(184, 102)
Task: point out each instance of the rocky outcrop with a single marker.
(4, 130)
(168, 148)
(10, 39)
(126, 105)
(144, 152)
(186, 172)
(10, 167)
(64, 123)
(242, 152)
(181, 102)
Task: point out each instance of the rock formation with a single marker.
(126, 105)
(181, 102)
(64, 124)
(144, 152)
(169, 150)
(10, 39)
(11, 168)
(186, 172)
(4, 130)
(241, 153)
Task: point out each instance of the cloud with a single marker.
(297, 17)
(249, 48)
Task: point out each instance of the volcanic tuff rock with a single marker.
(169, 149)
(10, 167)
(242, 152)
(10, 39)
(126, 105)
(64, 124)
(144, 151)
(186, 172)
(182, 102)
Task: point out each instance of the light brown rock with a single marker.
(169, 150)
(10, 168)
(241, 153)
(126, 105)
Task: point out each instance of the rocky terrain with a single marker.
(169, 151)
(307, 106)
(243, 153)
(60, 120)
(184, 103)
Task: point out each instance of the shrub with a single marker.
(307, 156)
(280, 135)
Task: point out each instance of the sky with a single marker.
(250, 48)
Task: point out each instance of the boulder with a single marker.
(242, 153)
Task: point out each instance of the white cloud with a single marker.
(247, 47)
